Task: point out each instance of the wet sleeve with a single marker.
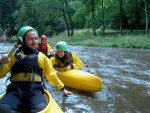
(77, 63)
(49, 72)
(49, 49)
(7, 67)
(53, 61)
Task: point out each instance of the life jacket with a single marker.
(42, 48)
(65, 61)
(26, 64)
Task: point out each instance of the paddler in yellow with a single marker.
(65, 60)
(44, 47)
(27, 66)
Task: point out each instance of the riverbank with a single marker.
(110, 39)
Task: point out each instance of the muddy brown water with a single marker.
(126, 81)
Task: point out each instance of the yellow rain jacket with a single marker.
(49, 49)
(48, 71)
(76, 62)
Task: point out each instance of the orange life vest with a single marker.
(42, 48)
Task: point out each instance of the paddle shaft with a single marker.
(13, 49)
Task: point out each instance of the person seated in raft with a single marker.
(65, 60)
(44, 47)
(27, 66)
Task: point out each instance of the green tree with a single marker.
(90, 8)
(66, 11)
(7, 7)
(39, 14)
(54, 16)
(146, 15)
(103, 17)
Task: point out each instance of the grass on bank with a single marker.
(111, 38)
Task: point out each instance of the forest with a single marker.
(55, 16)
(52, 17)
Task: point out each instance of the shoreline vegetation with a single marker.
(111, 38)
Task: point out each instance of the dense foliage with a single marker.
(54, 16)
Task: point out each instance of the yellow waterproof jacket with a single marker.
(48, 71)
(49, 49)
(77, 63)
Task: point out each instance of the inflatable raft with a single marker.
(80, 80)
(52, 106)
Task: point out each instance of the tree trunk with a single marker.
(4, 35)
(65, 18)
(93, 17)
(146, 16)
(70, 18)
(103, 18)
(36, 23)
(131, 24)
(67, 24)
(121, 16)
(136, 24)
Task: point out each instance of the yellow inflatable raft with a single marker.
(81, 80)
(52, 106)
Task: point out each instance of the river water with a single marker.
(126, 81)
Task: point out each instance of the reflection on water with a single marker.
(126, 82)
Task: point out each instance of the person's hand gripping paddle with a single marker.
(20, 42)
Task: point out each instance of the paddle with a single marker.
(20, 41)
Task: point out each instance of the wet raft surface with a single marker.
(126, 82)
